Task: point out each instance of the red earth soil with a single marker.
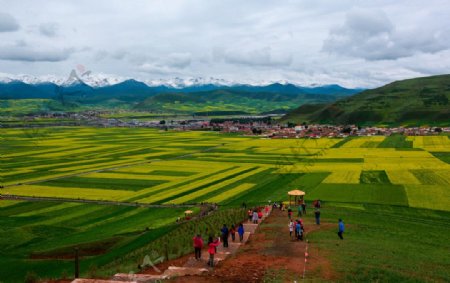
(270, 254)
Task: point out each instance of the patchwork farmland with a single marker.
(171, 168)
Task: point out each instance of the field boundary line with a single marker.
(110, 168)
(102, 202)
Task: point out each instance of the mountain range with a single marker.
(179, 96)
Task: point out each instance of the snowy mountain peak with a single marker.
(73, 79)
(178, 82)
(93, 80)
(96, 80)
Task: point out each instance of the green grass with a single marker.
(444, 156)
(413, 102)
(94, 228)
(374, 177)
(361, 193)
(385, 243)
(342, 142)
(396, 141)
(172, 173)
(103, 183)
(273, 187)
(428, 177)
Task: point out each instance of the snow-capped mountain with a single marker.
(85, 87)
(189, 82)
(101, 80)
(92, 80)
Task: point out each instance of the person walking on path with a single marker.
(341, 229)
(266, 210)
(317, 215)
(250, 214)
(225, 233)
(299, 210)
(241, 232)
(212, 245)
(291, 228)
(298, 230)
(304, 207)
(198, 245)
(233, 232)
(255, 217)
(290, 213)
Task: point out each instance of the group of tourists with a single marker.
(296, 228)
(256, 214)
(297, 225)
(212, 244)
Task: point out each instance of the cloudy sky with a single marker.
(349, 42)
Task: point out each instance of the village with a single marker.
(264, 126)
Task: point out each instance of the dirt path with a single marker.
(270, 255)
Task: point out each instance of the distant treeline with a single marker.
(242, 120)
(220, 113)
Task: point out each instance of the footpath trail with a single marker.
(270, 255)
(267, 254)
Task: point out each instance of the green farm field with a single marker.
(172, 168)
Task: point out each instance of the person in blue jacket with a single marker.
(298, 231)
(241, 232)
(225, 234)
(341, 229)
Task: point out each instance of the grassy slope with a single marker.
(217, 101)
(55, 228)
(413, 101)
(386, 243)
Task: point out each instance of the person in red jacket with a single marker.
(198, 245)
(260, 214)
(266, 210)
(212, 250)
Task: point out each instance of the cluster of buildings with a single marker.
(320, 131)
(262, 126)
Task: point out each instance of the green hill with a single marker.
(220, 101)
(414, 102)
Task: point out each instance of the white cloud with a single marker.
(21, 51)
(49, 29)
(367, 43)
(178, 60)
(257, 57)
(8, 23)
(371, 35)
